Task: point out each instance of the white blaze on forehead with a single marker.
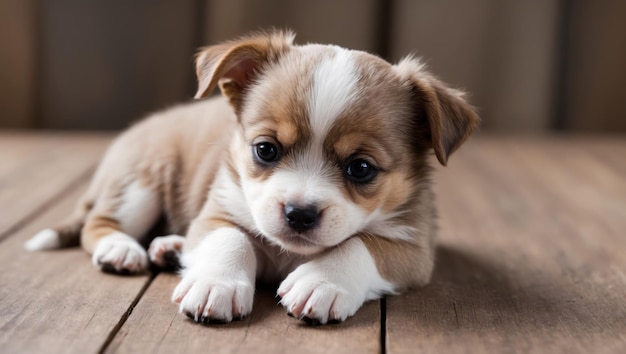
(333, 89)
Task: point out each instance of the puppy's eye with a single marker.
(266, 152)
(361, 171)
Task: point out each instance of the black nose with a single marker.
(301, 219)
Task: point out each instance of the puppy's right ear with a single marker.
(235, 64)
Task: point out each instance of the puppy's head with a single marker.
(332, 141)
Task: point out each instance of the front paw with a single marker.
(219, 299)
(165, 251)
(121, 254)
(317, 298)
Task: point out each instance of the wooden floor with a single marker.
(531, 258)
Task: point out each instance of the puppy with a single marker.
(310, 171)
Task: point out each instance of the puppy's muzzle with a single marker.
(301, 218)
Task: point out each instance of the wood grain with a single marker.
(532, 253)
(51, 301)
(57, 302)
(36, 168)
(155, 326)
(531, 258)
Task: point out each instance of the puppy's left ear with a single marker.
(451, 119)
(235, 64)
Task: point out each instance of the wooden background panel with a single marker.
(529, 66)
(57, 302)
(596, 50)
(502, 53)
(155, 326)
(18, 63)
(531, 257)
(106, 63)
(351, 23)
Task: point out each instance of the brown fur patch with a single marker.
(408, 263)
(405, 264)
(236, 62)
(277, 108)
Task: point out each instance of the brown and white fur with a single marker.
(307, 218)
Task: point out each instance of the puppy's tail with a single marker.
(66, 234)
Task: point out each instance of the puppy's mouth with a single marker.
(300, 240)
(300, 243)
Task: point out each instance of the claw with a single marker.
(311, 321)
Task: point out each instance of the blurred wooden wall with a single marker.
(18, 63)
(529, 66)
(594, 85)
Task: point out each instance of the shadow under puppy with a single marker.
(311, 170)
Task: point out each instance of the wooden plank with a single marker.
(155, 326)
(19, 149)
(57, 302)
(36, 168)
(532, 257)
(532, 253)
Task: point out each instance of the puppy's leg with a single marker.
(333, 286)
(119, 218)
(219, 275)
